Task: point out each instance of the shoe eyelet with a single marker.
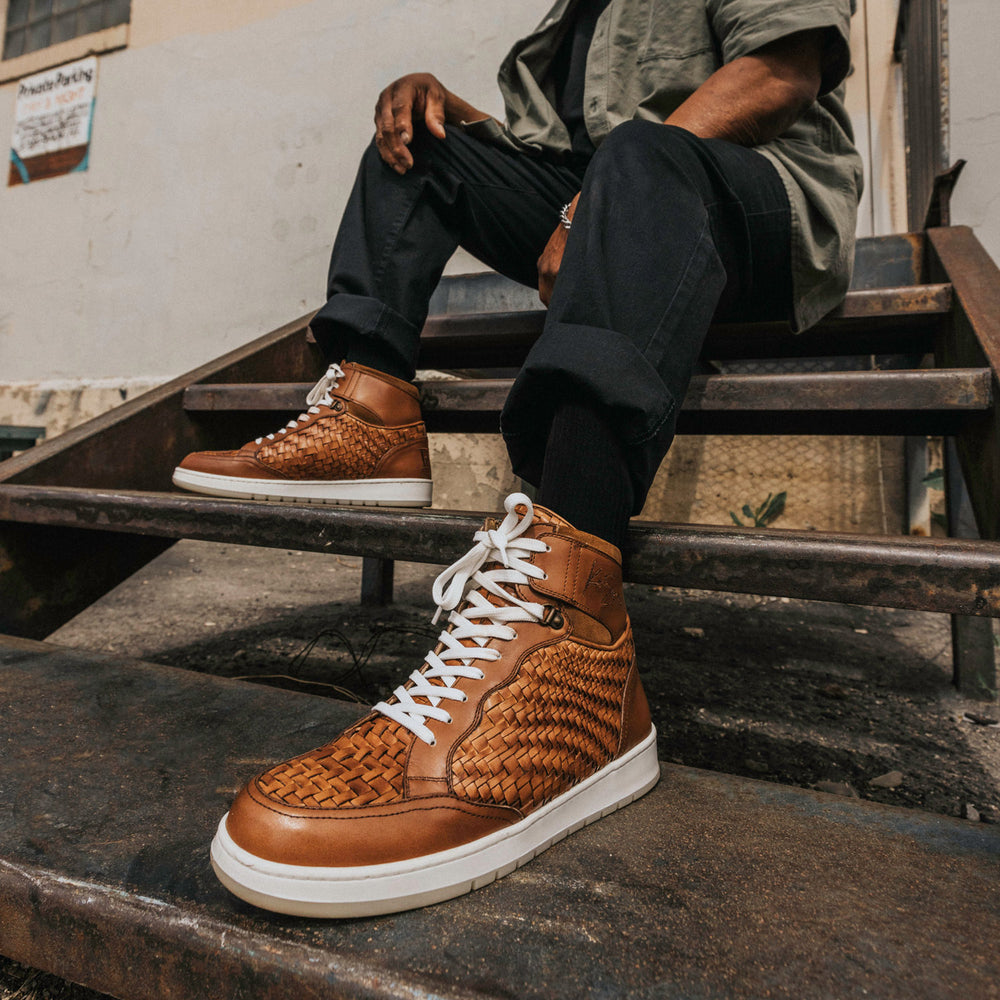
(545, 576)
(432, 742)
(553, 617)
(548, 548)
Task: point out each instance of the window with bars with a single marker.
(36, 24)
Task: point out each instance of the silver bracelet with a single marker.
(564, 220)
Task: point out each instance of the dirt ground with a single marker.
(854, 701)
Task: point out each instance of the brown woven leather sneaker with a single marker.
(361, 441)
(526, 722)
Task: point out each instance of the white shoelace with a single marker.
(480, 621)
(319, 395)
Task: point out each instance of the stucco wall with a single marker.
(226, 138)
(223, 150)
(974, 76)
(874, 101)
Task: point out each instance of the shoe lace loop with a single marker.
(478, 620)
(319, 395)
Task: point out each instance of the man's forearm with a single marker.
(757, 97)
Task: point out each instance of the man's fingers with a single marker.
(545, 279)
(434, 113)
(392, 122)
(549, 264)
(402, 127)
(402, 133)
(419, 96)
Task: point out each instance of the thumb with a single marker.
(434, 116)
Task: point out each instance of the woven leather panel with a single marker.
(558, 722)
(363, 767)
(336, 447)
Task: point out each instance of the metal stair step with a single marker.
(118, 771)
(872, 402)
(928, 574)
(870, 321)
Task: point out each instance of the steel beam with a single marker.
(376, 582)
(947, 575)
(971, 336)
(866, 402)
(964, 389)
(870, 321)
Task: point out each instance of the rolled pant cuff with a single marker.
(608, 369)
(346, 317)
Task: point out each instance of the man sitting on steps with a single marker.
(663, 163)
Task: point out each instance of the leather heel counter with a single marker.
(381, 398)
(410, 461)
(636, 718)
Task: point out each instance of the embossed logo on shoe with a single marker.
(604, 584)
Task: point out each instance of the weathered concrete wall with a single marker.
(225, 141)
(222, 153)
(974, 99)
(874, 101)
(59, 404)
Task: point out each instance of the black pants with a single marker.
(671, 231)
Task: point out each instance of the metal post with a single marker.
(918, 506)
(973, 650)
(376, 582)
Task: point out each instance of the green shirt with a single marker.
(648, 56)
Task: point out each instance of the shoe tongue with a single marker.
(487, 567)
(545, 519)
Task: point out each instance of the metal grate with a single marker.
(36, 24)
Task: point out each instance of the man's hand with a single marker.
(421, 96)
(551, 259)
(416, 94)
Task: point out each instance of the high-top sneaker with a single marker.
(526, 722)
(361, 441)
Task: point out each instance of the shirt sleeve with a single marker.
(743, 26)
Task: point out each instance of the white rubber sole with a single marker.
(404, 885)
(361, 492)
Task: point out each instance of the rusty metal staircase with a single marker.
(116, 771)
(710, 886)
(81, 512)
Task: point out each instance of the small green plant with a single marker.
(934, 480)
(769, 511)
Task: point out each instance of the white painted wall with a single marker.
(874, 101)
(226, 139)
(219, 165)
(974, 70)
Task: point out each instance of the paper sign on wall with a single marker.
(52, 122)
